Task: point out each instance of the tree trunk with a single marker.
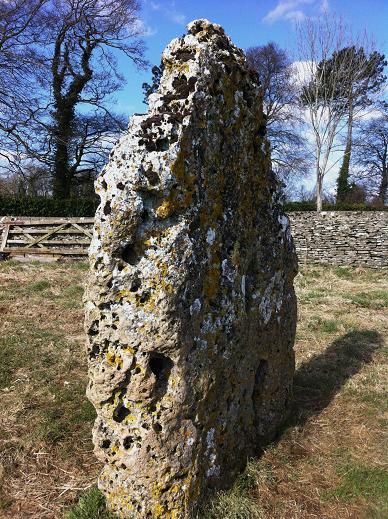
(65, 105)
(62, 132)
(383, 185)
(343, 177)
(319, 181)
(319, 193)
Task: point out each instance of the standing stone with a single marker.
(191, 309)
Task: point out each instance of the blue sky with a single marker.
(248, 22)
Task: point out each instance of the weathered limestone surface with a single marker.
(190, 308)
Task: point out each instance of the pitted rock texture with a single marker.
(190, 307)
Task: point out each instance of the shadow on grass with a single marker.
(319, 379)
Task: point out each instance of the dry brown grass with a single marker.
(45, 421)
(328, 463)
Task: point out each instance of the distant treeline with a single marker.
(40, 206)
(86, 207)
(311, 206)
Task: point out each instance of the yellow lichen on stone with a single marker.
(113, 359)
(174, 67)
(165, 209)
(212, 281)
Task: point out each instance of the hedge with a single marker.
(47, 207)
(311, 206)
(78, 207)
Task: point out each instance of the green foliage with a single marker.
(371, 483)
(38, 286)
(91, 506)
(317, 323)
(240, 502)
(148, 89)
(373, 299)
(19, 351)
(344, 272)
(86, 207)
(290, 207)
(343, 177)
(46, 207)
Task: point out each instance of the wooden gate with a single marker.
(55, 236)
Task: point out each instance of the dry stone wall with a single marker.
(190, 306)
(354, 238)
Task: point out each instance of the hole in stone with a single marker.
(135, 284)
(129, 254)
(93, 330)
(160, 365)
(120, 413)
(152, 177)
(120, 185)
(162, 145)
(261, 372)
(107, 209)
(104, 185)
(157, 427)
(123, 466)
(105, 444)
(145, 296)
(137, 370)
(127, 442)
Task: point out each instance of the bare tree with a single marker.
(363, 79)
(371, 156)
(20, 31)
(318, 42)
(289, 153)
(83, 69)
(69, 127)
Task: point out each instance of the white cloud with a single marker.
(295, 16)
(303, 71)
(292, 10)
(179, 18)
(168, 9)
(144, 29)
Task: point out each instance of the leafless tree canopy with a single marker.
(288, 148)
(59, 115)
(336, 75)
(370, 160)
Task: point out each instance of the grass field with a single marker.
(330, 462)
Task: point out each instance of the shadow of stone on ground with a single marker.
(319, 379)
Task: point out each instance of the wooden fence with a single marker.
(53, 236)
